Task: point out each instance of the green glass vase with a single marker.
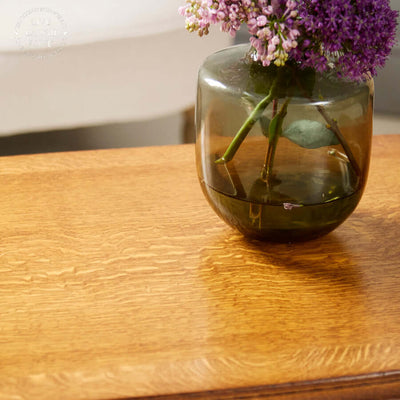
(282, 152)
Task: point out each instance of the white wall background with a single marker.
(387, 83)
(168, 129)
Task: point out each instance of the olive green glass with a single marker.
(282, 154)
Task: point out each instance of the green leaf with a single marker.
(310, 134)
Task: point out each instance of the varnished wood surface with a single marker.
(117, 281)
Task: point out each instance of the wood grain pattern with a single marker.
(117, 281)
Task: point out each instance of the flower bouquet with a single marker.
(284, 123)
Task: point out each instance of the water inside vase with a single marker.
(305, 197)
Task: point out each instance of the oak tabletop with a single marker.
(118, 281)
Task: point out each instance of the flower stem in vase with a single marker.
(247, 125)
(275, 131)
(333, 126)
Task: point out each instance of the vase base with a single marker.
(281, 222)
(289, 236)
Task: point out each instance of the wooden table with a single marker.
(117, 281)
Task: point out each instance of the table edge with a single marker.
(371, 386)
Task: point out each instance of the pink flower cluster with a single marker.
(273, 24)
(274, 32)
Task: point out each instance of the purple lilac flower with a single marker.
(355, 36)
